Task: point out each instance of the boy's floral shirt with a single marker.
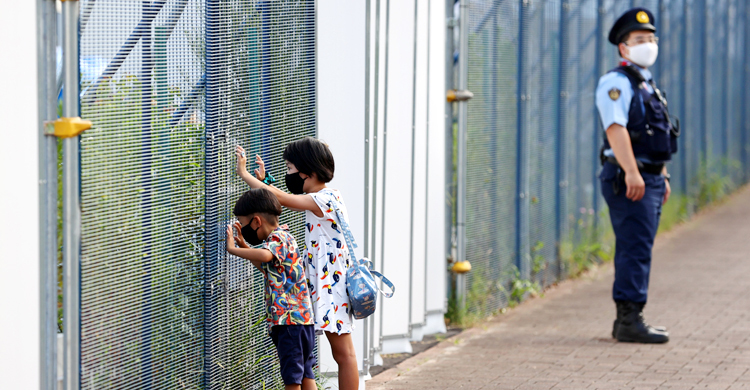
(287, 296)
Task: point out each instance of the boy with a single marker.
(288, 308)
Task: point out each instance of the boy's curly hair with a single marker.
(310, 156)
(258, 201)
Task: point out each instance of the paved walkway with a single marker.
(700, 290)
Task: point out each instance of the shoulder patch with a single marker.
(614, 93)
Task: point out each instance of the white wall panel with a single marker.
(419, 232)
(436, 222)
(397, 166)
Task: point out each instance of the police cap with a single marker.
(633, 20)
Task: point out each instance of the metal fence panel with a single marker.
(260, 68)
(492, 145)
(171, 88)
(542, 59)
(542, 63)
(142, 185)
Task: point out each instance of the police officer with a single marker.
(640, 139)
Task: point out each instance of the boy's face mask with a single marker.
(295, 183)
(250, 234)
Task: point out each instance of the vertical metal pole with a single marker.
(702, 77)
(211, 294)
(683, 95)
(375, 111)
(146, 197)
(463, 118)
(385, 152)
(520, 140)
(598, 131)
(495, 134)
(413, 160)
(71, 204)
(448, 150)
(561, 134)
(427, 168)
(745, 119)
(725, 130)
(47, 52)
(367, 361)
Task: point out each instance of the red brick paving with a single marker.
(700, 290)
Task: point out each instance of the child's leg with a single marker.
(346, 358)
(308, 384)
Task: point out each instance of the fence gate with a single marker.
(171, 87)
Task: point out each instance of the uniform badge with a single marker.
(614, 93)
(642, 17)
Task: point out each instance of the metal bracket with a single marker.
(458, 96)
(66, 127)
(451, 22)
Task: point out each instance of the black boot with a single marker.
(620, 305)
(632, 327)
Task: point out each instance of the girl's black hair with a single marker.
(310, 156)
(258, 201)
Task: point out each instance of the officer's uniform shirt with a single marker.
(617, 110)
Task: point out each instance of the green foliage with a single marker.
(715, 180)
(538, 262)
(520, 288)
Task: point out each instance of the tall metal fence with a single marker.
(534, 211)
(171, 88)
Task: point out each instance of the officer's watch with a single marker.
(667, 176)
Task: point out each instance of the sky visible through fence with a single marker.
(534, 209)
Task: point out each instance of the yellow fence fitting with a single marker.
(66, 127)
(461, 267)
(458, 96)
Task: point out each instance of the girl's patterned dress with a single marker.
(326, 261)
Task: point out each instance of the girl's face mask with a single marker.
(295, 183)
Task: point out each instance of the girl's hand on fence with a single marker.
(241, 160)
(239, 240)
(260, 172)
(230, 238)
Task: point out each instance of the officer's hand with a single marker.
(668, 191)
(636, 186)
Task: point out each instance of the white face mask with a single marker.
(644, 55)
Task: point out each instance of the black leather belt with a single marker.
(654, 169)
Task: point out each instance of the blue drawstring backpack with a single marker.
(360, 277)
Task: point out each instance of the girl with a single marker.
(309, 167)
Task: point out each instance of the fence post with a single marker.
(683, 100)
(521, 161)
(71, 204)
(463, 116)
(450, 190)
(560, 168)
(146, 197)
(745, 119)
(48, 169)
(595, 114)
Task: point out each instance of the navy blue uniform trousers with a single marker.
(635, 225)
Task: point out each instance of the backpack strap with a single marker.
(386, 282)
(352, 244)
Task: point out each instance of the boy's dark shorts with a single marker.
(295, 345)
